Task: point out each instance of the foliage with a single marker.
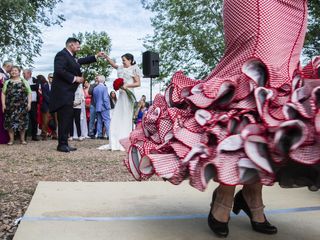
(92, 43)
(312, 43)
(189, 35)
(20, 24)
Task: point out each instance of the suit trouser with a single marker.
(33, 119)
(65, 118)
(103, 120)
(76, 117)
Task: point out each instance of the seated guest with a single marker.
(16, 103)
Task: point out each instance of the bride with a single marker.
(121, 121)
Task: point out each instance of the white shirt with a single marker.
(78, 97)
(33, 93)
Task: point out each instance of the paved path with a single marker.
(155, 210)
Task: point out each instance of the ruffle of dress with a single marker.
(244, 132)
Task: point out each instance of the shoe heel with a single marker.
(221, 229)
(236, 209)
(262, 227)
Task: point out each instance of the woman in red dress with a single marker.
(251, 122)
(87, 97)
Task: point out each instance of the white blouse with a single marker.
(128, 73)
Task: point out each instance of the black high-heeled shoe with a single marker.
(241, 204)
(221, 229)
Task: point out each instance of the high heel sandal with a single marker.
(221, 229)
(241, 204)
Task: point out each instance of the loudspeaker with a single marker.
(150, 64)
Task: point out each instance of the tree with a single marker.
(91, 43)
(189, 35)
(312, 43)
(20, 24)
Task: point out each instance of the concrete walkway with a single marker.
(156, 210)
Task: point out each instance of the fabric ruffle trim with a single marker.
(242, 132)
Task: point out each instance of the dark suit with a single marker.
(33, 113)
(66, 67)
(7, 76)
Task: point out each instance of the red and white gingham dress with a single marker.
(254, 118)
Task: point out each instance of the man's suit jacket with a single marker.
(7, 76)
(66, 67)
(90, 91)
(101, 98)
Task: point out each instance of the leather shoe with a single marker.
(63, 148)
(72, 148)
(221, 229)
(263, 227)
(103, 138)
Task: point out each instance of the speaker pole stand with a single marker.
(150, 90)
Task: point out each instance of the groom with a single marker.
(66, 78)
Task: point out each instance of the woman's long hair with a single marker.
(115, 96)
(41, 79)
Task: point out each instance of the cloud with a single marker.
(125, 21)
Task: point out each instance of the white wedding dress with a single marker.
(121, 122)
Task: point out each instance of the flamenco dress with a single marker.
(255, 118)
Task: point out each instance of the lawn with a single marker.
(23, 166)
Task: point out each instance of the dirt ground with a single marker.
(23, 166)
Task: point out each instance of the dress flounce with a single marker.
(240, 133)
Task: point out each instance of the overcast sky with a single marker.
(125, 21)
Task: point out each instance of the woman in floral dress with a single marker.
(16, 103)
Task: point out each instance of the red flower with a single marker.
(118, 83)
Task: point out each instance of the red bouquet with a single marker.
(118, 83)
